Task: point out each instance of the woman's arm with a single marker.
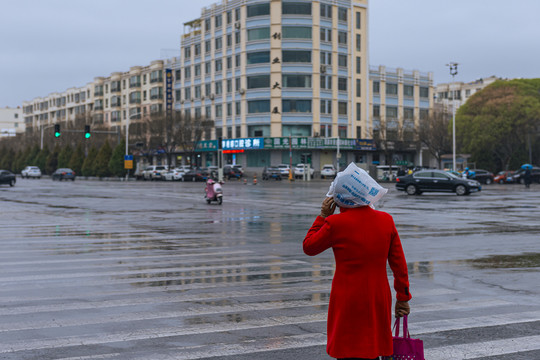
(398, 264)
(319, 236)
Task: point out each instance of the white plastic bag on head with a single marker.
(353, 187)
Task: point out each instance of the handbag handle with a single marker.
(405, 327)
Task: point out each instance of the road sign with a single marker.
(128, 162)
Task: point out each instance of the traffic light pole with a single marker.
(42, 131)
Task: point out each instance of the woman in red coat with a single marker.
(359, 314)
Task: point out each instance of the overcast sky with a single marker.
(51, 45)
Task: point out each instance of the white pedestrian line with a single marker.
(142, 334)
(484, 349)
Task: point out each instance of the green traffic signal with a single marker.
(87, 132)
(57, 130)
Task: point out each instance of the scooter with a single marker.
(213, 192)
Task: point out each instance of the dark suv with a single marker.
(482, 176)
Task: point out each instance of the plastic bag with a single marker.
(353, 187)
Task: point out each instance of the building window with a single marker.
(229, 62)
(293, 106)
(207, 46)
(207, 67)
(326, 10)
(134, 81)
(358, 88)
(197, 48)
(237, 108)
(424, 92)
(376, 87)
(229, 132)
(207, 24)
(258, 106)
(258, 10)
(358, 20)
(219, 87)
(358, 65)
(296, 81)
(358, 42)
(342, 131)
(187, 72)
(156, 93)
(219, 20)
(424, 113)
(342, 108)
(259, 81)
(237, 60)
(208, 111)
(178, 75)
(237, 83)
(296, 32)
(219, 43)
(197, 91)
(342, 14)
(229, 109)
(258, 57)
(326, 130)
(178, 95)
(391, 89)
(326, 58)
(187, 52)
(408, 113)
(135, 97)
(237, 37)
(326, 106)
(229, 17)
(376, 111)
(219, 111)
(187, 93)
(197, 69)
(197, 113)
(358, 115)
(258, 34)
(326, 35)
(342, 60)
(296, 56)
(229, 86)
(326, 82)
(342, 37)
(237, 14)
(207, 89)
(391, 112)
(342, 84)
(229, 40)
(238, 132)
(408, 90)
(294, 8)
(219, 65)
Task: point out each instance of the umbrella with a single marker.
(526, 166)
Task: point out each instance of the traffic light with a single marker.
(57, 130)
(87, 132)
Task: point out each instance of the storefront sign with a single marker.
(207, 145)
(243, 144)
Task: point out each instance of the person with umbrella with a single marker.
(527, 175)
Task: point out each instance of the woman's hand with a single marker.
(402, 308)
(328, 207)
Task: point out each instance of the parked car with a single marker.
(199, 174)
(504, 177)
(231, 172)
(7, 177)
(436, 181)
(328, 170)
(482, 176)
(174, 174)
(271, 172)
(31, 172)
(154, 172)
(63, 174)
(535, 175)
(239, 167)
(284, 170)
(299, 171)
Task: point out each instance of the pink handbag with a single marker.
(406, 348)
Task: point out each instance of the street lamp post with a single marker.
(453, 72)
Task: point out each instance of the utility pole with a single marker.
(453, 72)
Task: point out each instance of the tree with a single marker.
(116, 164)
(41, 159)
(64, 156)
(32, 156)
(171, 133)
(7, 158)
(101, 163)
(77, 159)
(88, 164)
(392, 137)
(433, 132)
(494, 125)
(52, 160)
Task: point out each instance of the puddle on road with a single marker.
(526, 260)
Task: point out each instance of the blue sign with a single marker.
(128, 157)
(243, 144)
(168, 91)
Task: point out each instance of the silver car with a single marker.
(31, 172)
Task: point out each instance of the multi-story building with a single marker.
(11, 121)
(277, 71)
(399, 99)
(448, 94)
(108, 101)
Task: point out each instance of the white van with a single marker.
(383, 172)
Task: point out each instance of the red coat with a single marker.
(359, 314)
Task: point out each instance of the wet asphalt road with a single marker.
(148, 270)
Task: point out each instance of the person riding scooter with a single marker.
(213, 191)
